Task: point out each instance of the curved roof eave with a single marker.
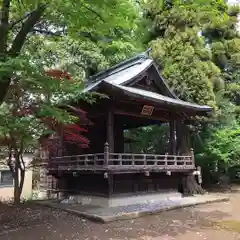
(158, 98)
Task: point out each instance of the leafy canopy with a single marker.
(180, 48)
(81, 29)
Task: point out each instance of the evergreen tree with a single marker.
(223, 36)
(181, 50)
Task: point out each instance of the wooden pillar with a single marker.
(118, 136)
(110, 130)
(172, 137)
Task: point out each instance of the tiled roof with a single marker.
(120, 76)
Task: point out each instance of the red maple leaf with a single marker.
(71, 133)
(59, 74)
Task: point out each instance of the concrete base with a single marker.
(122, 200)
(109, 214)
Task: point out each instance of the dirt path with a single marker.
(212, 221)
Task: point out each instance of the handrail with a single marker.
(121, 161)
(127, 154)
(81, 155)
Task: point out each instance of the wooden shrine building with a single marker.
(135, 95)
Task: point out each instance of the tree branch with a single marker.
(22, 163)
(4, 25)
(20, 20)
(5, 11)
(9, 161)
(93, 11)
(27, 26)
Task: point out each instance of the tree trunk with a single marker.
(17, 194)
(19, 176)
(19, 40)
(18, 186)
(190, 186)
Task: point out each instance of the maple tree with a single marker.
(31, 110)
(71, 132)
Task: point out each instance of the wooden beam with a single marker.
(121, 112)
(138, 104)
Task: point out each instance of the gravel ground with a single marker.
(212, 221)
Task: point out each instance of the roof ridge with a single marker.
(134, 60)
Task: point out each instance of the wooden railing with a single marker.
(122, 162)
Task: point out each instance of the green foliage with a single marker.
(224, 144)
(223, 37)
(118, 51)
(77, 36)
(22, 132)
(196, 45)
(32, 96)
(151, 139)
(99, 17)
(216, 145)
(233, 92)
(181, 51)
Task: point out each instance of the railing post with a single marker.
(120, 159)
(77, 163)
(145, 160)
(86, 160)
(192, 156)
(95, 160)
(155, 161)
(175, 160)
(133, 162)
(106, 153)
(166, 159)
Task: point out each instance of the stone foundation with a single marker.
(122, 200)
(108, 214)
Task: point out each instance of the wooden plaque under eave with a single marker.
(147, 110)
